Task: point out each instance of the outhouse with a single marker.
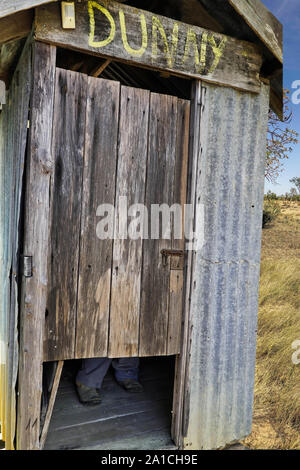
(114, 113)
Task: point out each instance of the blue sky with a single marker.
(288, 12)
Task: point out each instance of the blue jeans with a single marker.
(93, 371)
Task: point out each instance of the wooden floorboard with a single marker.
(123, 420)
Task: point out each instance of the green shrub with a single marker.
(270, 212)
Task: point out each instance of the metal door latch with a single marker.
(177, 258)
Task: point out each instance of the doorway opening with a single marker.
(123, 421)
(124, 134)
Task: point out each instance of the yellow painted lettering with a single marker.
(109, 39)
(203, 51)
(134, 52)
(158, 27)
(217, 50)
(191, 40)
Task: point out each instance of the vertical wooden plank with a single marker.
(180, 367)
(175, 311)
(19, 104)
(98, 188)
(66, 189)
(34, 289)
(127, 253)
(159, 190)
(179, 196)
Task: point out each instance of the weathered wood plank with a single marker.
(16, 27)
(263, 23)
(159, 190)
(179, 196)
(194, 13)
(175, 311)
(180, 367)
(276, 99)
(127, 253)
(69, 412)
(19, 105)
(51, 403)
(153, 417)
(66, 189)
(13, 123)
(99, 182)
(113, 30)
(34, 289)
(9, 54)
(8, 7)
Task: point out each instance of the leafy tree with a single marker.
(280, 140)
(296, 182)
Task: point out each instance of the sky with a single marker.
(288, 12)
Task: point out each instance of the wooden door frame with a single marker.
(178, 425)
(36, 244)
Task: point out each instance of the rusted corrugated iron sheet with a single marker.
(13, 134)
(225, 272)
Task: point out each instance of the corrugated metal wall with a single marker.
(230, 159)
(13, 133)
(5, 261)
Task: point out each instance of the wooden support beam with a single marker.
(117, 31)
(77, 66)
(8, 7)
(12, 31)
(276, 103)
(98, 70)
(16, 26)
(263, 23)
(56, 381)
(36, 243)
(9, 54)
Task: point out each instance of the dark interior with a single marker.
(128, 75)
(122, 421)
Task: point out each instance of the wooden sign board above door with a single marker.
(114, 30)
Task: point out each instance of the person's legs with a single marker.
(126, 373)
(89, 379)
(126, 368)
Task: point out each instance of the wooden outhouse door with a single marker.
(114, 147)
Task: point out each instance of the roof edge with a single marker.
(7, 7)
(263, 23)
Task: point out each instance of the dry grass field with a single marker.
(277, 390)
